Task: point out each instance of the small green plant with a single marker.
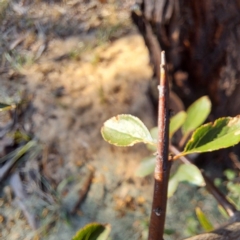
(6, 107)
(204, 221)
(19, 60)
(93, 231)
(126, 130)
(184, 121)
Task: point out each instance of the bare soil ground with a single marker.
(75, 64)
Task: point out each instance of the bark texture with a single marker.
(201, 40)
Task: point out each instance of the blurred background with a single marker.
(66, 67)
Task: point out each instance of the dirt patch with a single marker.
(82, 95)
(70, 99)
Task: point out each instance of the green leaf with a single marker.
(93, 231)
(172, 186)
(196, 114)
(185, 173)
(169, 231)
(146, 167)
(5, 107)
(230, 174)
(126, 130)
(233, 188)
(154, 133)
(223, 133)
(191, 174)
(204, 221)
(176, 122)
(223, 212)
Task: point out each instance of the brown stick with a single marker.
(161, 174)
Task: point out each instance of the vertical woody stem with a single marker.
(161, 173)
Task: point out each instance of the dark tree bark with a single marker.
(202, 44)
(201, 40)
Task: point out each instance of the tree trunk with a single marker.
(201, 40)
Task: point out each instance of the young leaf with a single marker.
(230, 174)
(172, 186)
(154, 132)
(126, 130)
(146, 167)
(93, 231)
(196, 114)
(185, 173)
(176, 122)
(223, 212)
(202, 218)
(5, 107)
(191, 174)
(169, 231)
(223, 133)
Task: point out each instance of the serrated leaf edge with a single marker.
(198, 129)
(212, 124)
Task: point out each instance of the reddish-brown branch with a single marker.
(161, 173)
